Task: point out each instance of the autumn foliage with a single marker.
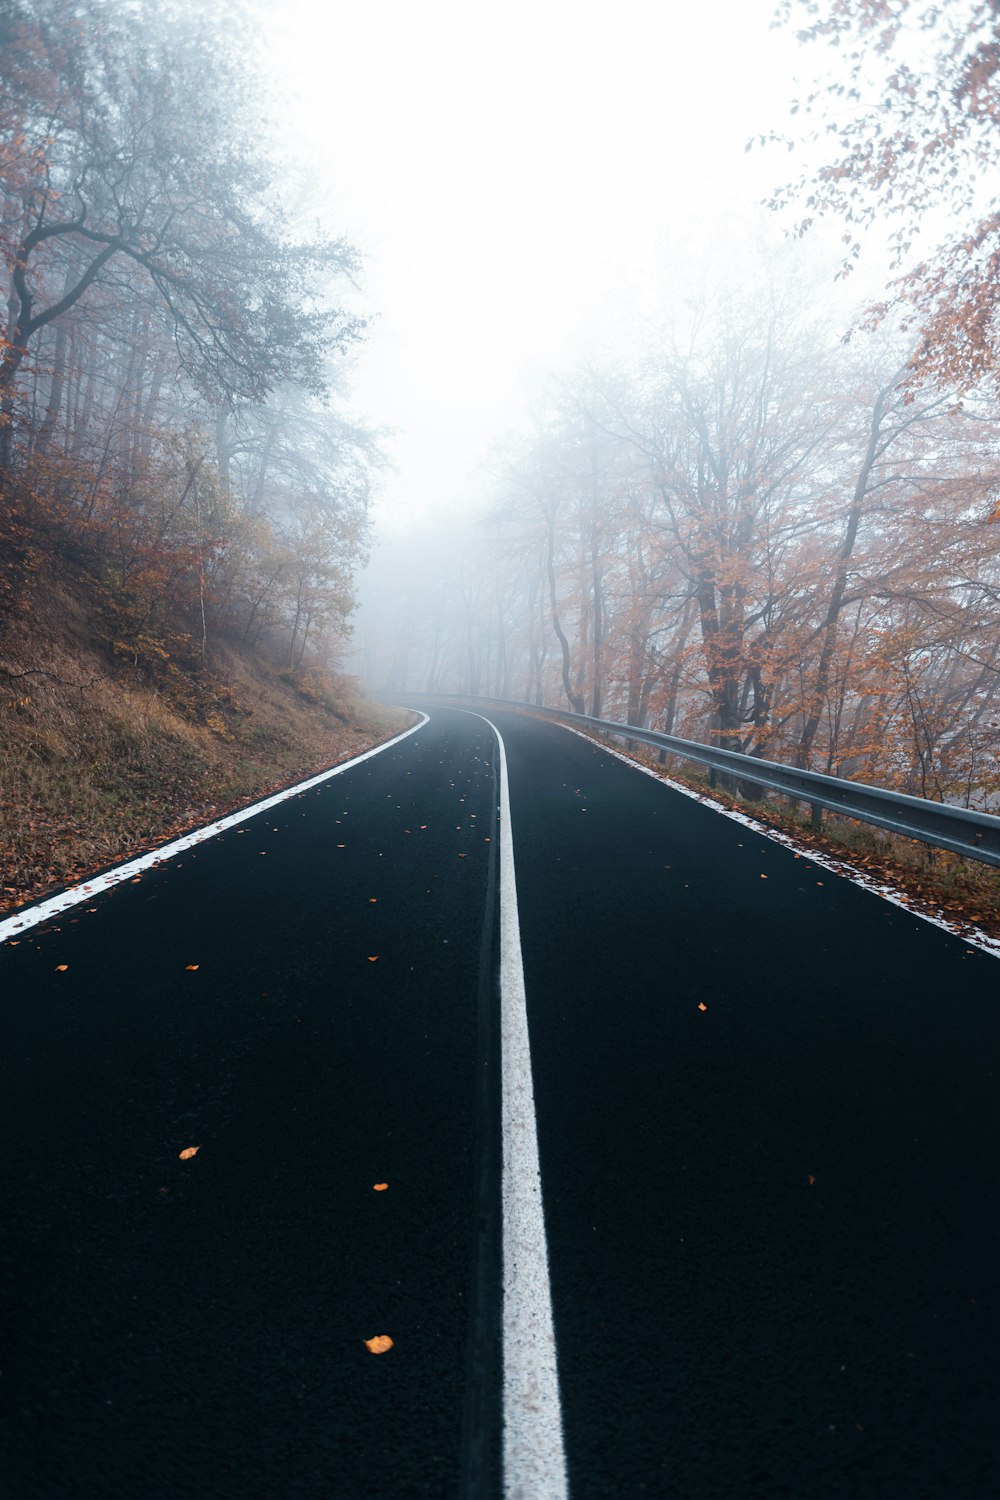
(909, 120)
(171, 443)
(753, 535)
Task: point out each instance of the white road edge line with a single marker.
(31, 916)
(975, 936)
(534, 1454)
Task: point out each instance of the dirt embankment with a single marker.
(98, 763)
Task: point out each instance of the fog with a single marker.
(645, 459)
(515, 177)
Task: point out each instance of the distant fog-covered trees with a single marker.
(757, 536)
(169, 426)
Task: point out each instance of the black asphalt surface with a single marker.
(773, 1223)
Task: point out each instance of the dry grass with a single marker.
(94, 769)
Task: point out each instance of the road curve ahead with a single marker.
(765, 1112)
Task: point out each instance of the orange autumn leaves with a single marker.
(381, 1343)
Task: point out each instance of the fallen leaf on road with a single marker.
(372, 900)
(373, 958)
(192, 966)
(702, 1005)
(61, 968)
(188, 1152)
(763, 877)
(380, 1187)
(811, 1179)
(380, 1344)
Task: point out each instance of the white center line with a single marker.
(534, 1455)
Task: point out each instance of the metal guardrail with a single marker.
(974, 835)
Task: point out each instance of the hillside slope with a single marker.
(98, 761)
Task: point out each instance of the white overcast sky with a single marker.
(503, 167)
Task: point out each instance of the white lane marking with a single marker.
(31, 916)
(976, 937)
(534, 1454)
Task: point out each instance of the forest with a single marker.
(749, 527)
(171, 430)
(184, 491)
(752, 540)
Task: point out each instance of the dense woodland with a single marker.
(172, 439)
(751, 539)
(750, 529)
(747, 529)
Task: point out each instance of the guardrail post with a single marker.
(816, 815)
(713, 777)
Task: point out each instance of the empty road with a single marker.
(757, 1257)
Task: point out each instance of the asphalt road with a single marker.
(773, 1225)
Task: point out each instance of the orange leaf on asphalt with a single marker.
(811, 1179)
(380, 1344)
(702, 1005)
(372, 900)
(61, 968)
(373, 958)
(192, 966)
(380, 1187)
(188, 1152)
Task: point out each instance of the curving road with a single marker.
(764, 1104)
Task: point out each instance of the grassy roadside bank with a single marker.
(97, 765)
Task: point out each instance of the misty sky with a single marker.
(508, 170)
